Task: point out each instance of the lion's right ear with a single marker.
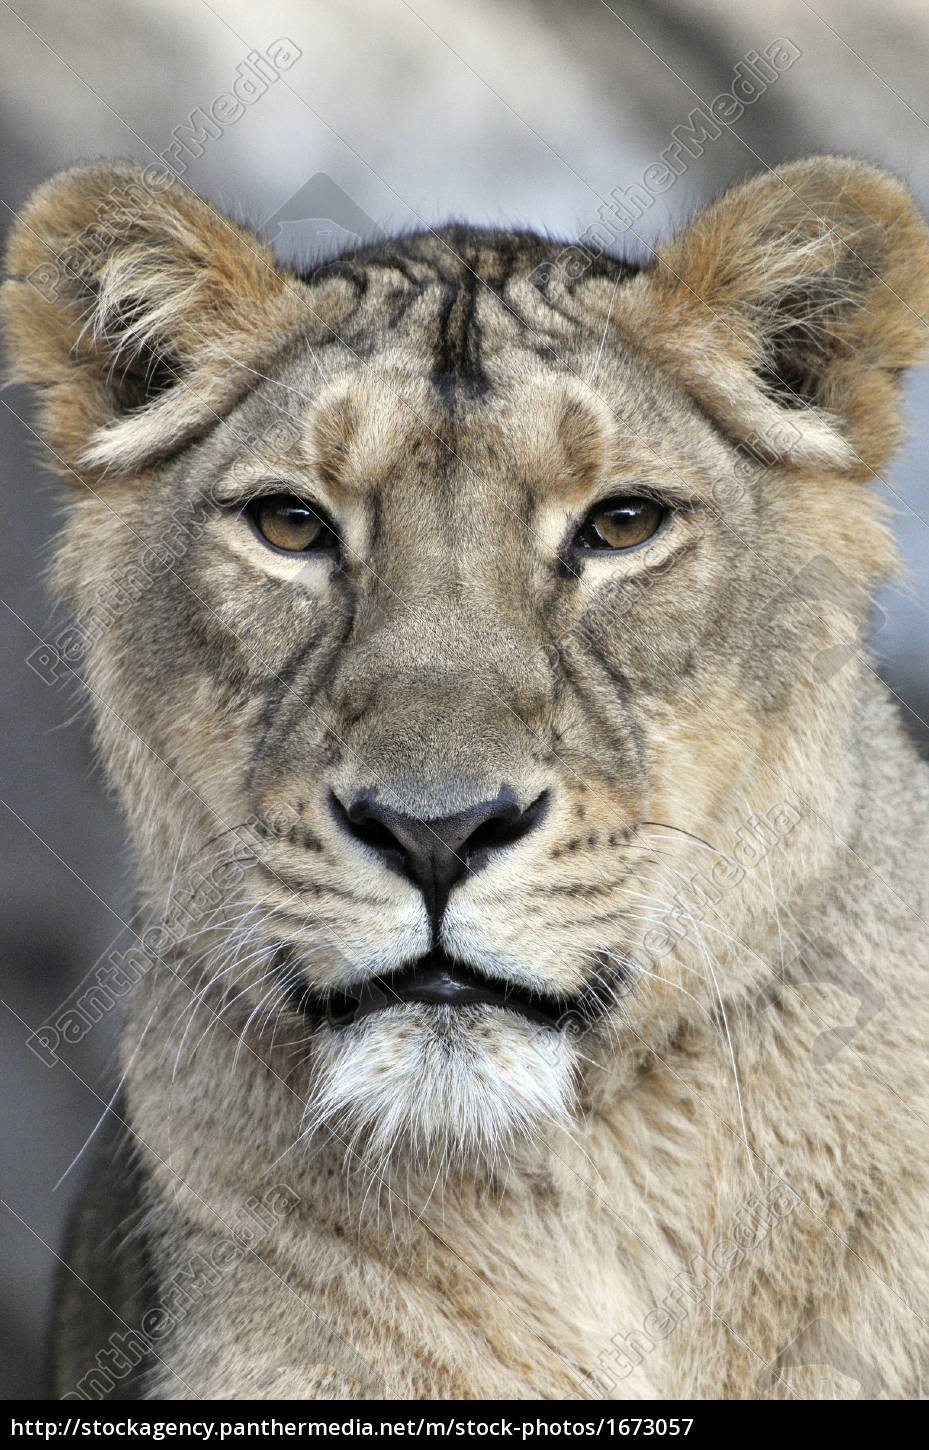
(139, 312)
(788, 310)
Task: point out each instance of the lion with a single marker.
(529, 998)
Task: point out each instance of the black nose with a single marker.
(438, 852)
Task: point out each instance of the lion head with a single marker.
(503, 603)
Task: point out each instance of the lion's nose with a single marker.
(437, 852)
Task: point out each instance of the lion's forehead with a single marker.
(535, 428)
(390, 424)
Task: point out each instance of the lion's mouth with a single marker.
(438, 981)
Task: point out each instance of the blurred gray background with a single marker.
(525, 112)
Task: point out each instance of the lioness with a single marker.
(531, 999)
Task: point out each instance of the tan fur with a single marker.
(482, 1207)
(846, 246)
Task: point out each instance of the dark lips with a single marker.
(438, 981)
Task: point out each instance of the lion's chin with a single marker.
(452, 1085)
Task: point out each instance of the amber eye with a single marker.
(620, 523)
(288, 523)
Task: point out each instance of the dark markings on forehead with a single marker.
(463, 266)
(458, 360)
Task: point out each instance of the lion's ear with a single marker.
(140, 313)
(788, 309)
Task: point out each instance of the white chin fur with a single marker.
(440, 1083)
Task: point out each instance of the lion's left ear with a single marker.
(140, 313)
(789, 308)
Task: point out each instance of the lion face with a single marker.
(478, 600)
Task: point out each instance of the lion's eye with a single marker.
(288, 523)
(620, 523)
